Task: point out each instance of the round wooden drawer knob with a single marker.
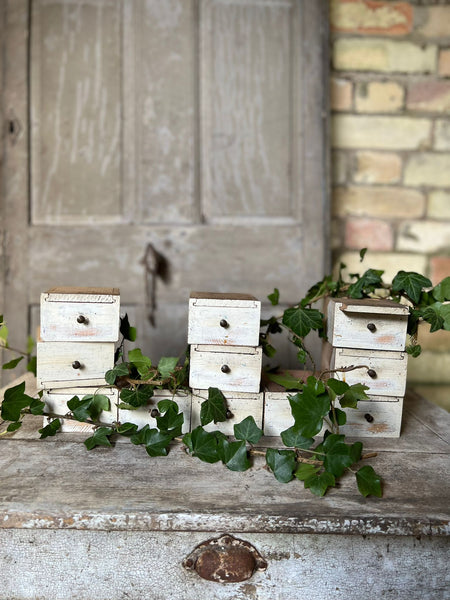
(82, 319)
(224, 323)
(372, 373)
(371, 327)
(77, 365)
(225, 369)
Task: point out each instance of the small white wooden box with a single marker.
(57, 363)
(240, 405)
(224, 319)
(234, 368)
(56, 403)
(383, 372)
(370, 324)
(80, 314)
(142, 415)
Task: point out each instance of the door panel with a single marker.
(172, 146)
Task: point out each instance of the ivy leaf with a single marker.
(248, 431)
(203, 445)
(355, 452)
(171, 421)
(214, 408)
(138, 396)
(120, 370)
(268, 349)
(411, 283)
(355, 392)
(51, 429)
(142, 363)
(4, 335)
(166, 366)
(100, 438)
(441, 292)
(12, 364)
(339, 387)
(305, 471)
(432, 315)
(282, 463)
(127, 429)
(14, 426)
(338, 416)
(301, 320)
(31, 365)
(319, 484)
(414, 350)
(274, 298)
(445, 314)
(37, 407)
(157, 443)
(233, 455)
(308, 409)
(337, 454)
(128, 332)
(286, 380)
(89, 407)
(370, 280)
(369, 483)
(14, 401)
(292, 438)
(362, 254)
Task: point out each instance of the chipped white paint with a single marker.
(240, 405)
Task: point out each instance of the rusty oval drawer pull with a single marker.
(82, 319)
(77, 365)
(225, 560)
(224, 323)
(371, 327)
(372, 373)
(225, 369)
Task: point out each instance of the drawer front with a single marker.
(240, 406)
(383, 372)
(235, 369)
(356, 327)
(57, 363)
(142, 415)
(97, 320)
(231, 325)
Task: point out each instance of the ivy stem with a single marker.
(343, 370)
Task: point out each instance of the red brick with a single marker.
(439, 268)
(372, 17)
(429, 96)
(368, 233)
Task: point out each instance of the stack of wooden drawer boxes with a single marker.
(223, 335)
(79, 329)
(371, 333)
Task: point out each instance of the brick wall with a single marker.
(390, 101)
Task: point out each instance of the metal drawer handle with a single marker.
(225, 369)
(368, 417)
(82, 319)
(372, 373)
(224, 323)
(371, 327)
(77, 365)
(225, 560)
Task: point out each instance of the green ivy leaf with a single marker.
(142, 363)
(128, 332)
(282, 463)
(170, 421)
(411, 283)
(157, 443)
(214, 408)
(203, 445)
(355, 392)
(362, 254)
(367, 283)
(248, 431)
(51, 429)
(37, 407)
(308, 409)
(319, 484)
(441, 292)
(166, 366)
(268, 349)
(274, 298)
(14, 401)
(292, 438)
(89, 407)
(414, 350)
(127, 429)
(369, 483)
(233, 455)
(12, 364)
(138, 396)
(337, 454)
(355, 452)
(339, 387)
(338, 417)
(14, 426)
(4, 336)
(305, 471)
(286, 380)
(432, 315)
(100, 438)
(301, 320)
(120, 370)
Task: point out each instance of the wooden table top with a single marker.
(56, 484)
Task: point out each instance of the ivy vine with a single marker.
(316, 403)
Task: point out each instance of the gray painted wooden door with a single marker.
(162, 146)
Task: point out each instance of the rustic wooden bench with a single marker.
(115, 523)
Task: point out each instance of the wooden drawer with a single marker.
(240, 405)
(384, 372)
(368, 324)
(80, 314)
(142, 415)
(380, 416)
(236, 368)
(56, 402)
(56, 363)
(224, 319)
